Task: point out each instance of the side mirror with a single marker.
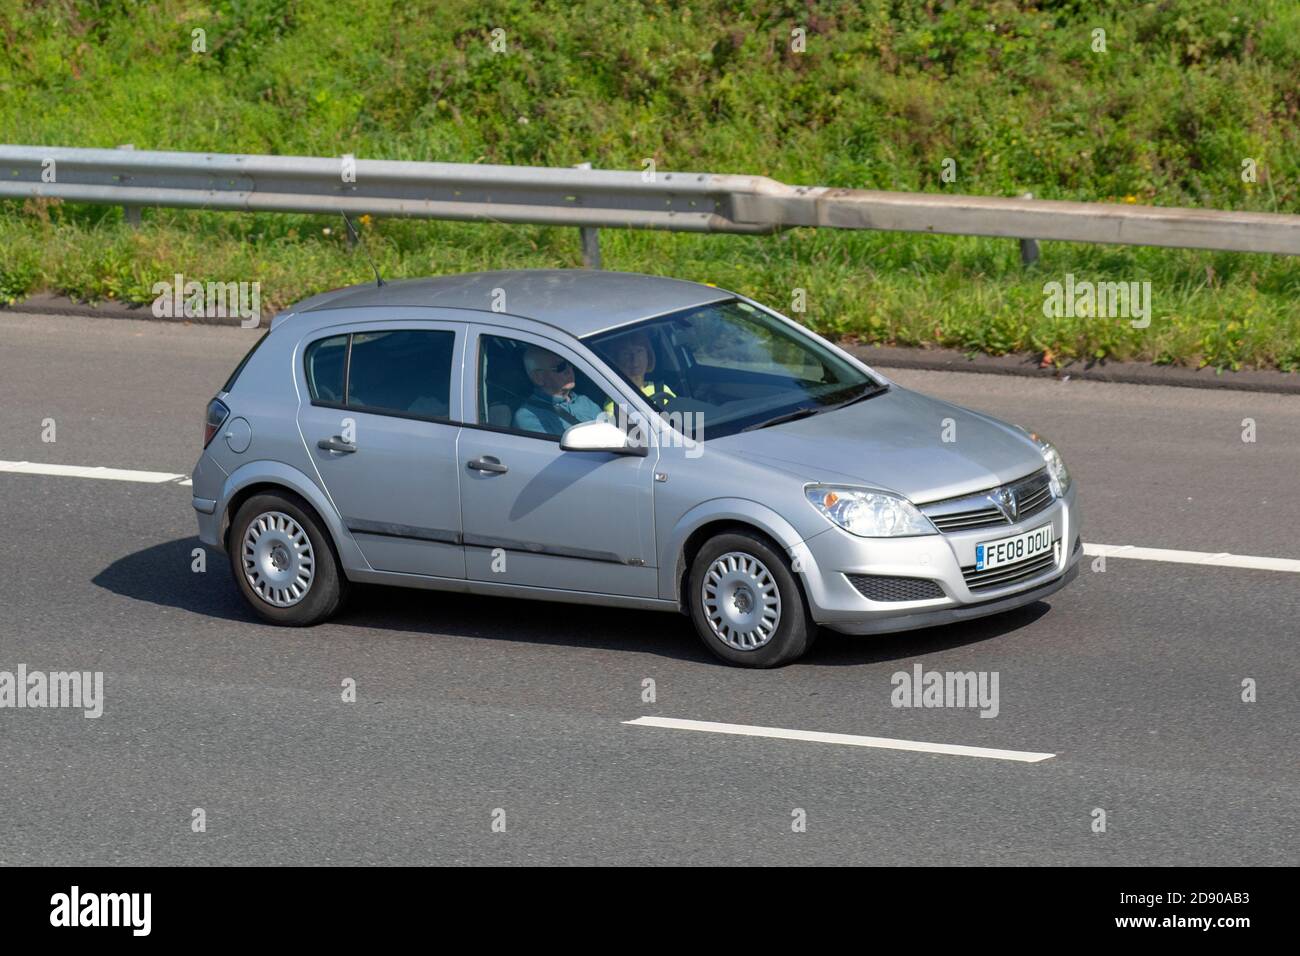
(600, 436)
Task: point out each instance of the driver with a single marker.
(553, 405)
(634, 356)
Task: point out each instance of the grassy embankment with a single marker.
(1013, 92)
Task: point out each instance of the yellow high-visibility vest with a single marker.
(648, 390)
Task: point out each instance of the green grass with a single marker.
(885, 92)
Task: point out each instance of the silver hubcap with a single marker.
(741, 601)
(278, 560)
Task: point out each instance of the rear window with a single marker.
(230, 382)
(401, 372)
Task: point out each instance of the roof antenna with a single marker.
(353, 238)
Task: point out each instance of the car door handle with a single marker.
(337, 444)
(489, 464)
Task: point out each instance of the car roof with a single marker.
(578, 301)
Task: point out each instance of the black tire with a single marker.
(327, 587)
(795, 630)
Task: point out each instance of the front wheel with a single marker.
(283, 562)
(746, 604)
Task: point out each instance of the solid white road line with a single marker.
(851, 740)
(81, 471)
(1221, 559)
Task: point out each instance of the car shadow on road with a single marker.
(663, 634)
(524, 621)
(164, 575)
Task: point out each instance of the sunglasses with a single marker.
(564, 363)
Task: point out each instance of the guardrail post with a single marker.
(590, 238)
(1028, 247)
(131, 213)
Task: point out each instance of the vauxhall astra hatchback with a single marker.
(624, 440)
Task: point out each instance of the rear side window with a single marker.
(402, 372)
(326, 364)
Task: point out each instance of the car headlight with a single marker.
(869, 514)
(1056, 470)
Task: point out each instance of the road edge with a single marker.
(47, 304)
(1029, 366)
(886, 356)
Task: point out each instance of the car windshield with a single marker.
(730, 366)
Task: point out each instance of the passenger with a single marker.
(553, 406)
(634, 356)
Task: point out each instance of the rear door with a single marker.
(380, 402)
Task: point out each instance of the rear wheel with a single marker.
(283, 562)
(746, 604)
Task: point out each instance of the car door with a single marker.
(380, 401)
(534, 515)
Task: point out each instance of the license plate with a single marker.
(1018, 547)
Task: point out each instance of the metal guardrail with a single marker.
(682, 202)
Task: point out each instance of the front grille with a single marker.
(968, 520)
(1008, 574)
(877, 587)
(1033, 495)
(969, 512)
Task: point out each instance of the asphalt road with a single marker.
(467, 707)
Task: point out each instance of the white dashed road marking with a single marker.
(850, 740)
(81, 471)
(1222, 559)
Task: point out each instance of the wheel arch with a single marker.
(717, 517)
(270, 476)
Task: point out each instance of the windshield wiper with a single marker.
(878, 388)
(874, 390)
(795, 415)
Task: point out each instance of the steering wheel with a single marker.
(660, 397)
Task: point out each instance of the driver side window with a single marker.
(530, 389)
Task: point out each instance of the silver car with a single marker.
(617, 439)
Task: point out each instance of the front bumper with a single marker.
(827, 559)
